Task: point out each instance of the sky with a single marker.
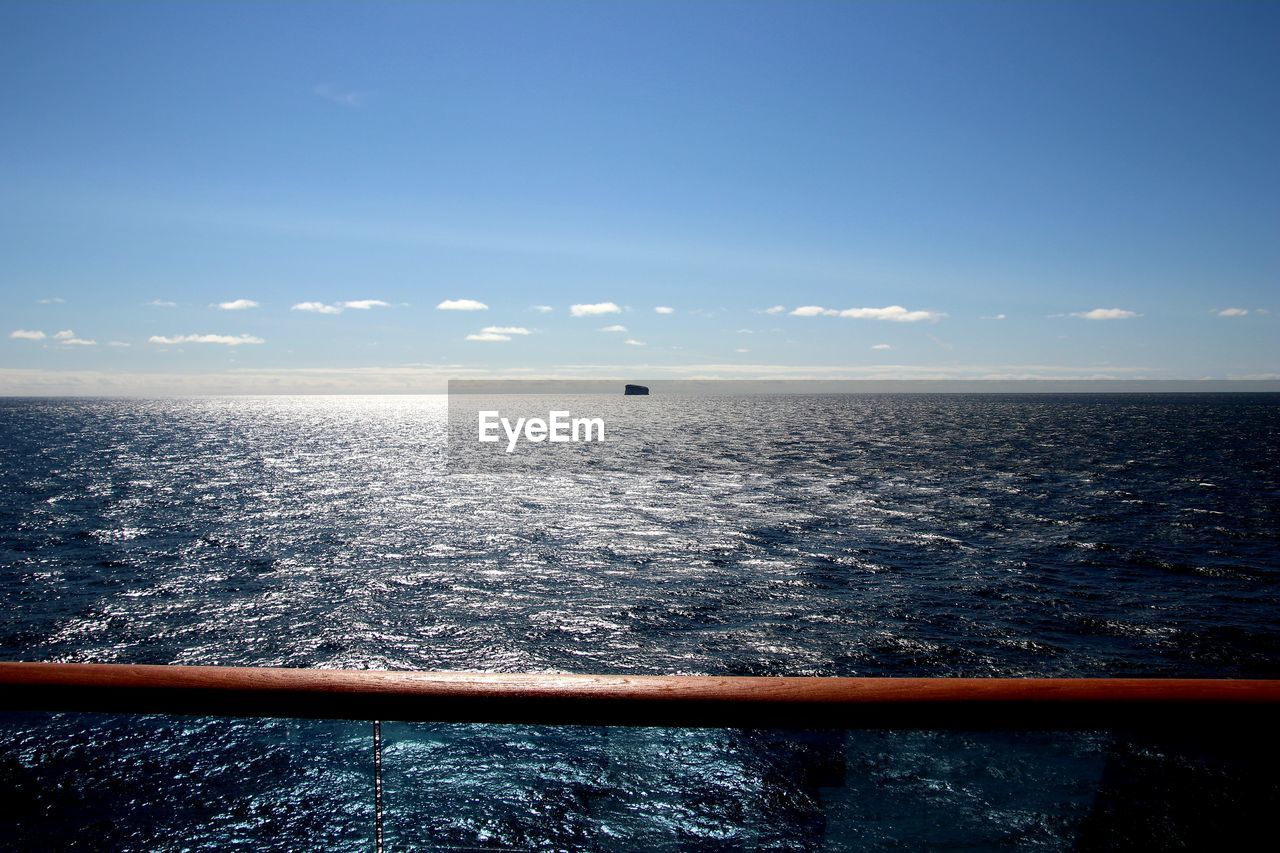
(259, 197)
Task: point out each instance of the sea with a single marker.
(882, 535)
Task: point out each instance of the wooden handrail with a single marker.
(652, 700)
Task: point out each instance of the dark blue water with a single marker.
(856, 535)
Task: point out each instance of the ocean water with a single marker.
(895, 535)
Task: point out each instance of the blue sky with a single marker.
(890, 178)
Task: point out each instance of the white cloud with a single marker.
(505, 330)
(614, 328)
(119, 344)
(542, 309)
(225, 340)
(746, 331)
(1262, 310)
(489, 336)
(664, 309)
(776, 309)
(742, 349)
(52, 300)
(27, 335)
(594, 309)
(462, 305)
(892, 313)
(1233, 312)
(882, 346)
(633, 342)
(1105, 314)
(316, 308)
(992, 317)
(338, 307)
(66, 336)
(237, 305)
(161, 303)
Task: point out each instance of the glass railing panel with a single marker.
(128, 782)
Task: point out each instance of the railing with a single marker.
(637, 700)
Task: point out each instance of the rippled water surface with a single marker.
(848, 535)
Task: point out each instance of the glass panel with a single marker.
(118, 782)
(139, 783)
(506, 786)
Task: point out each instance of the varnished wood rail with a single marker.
(641, 700)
